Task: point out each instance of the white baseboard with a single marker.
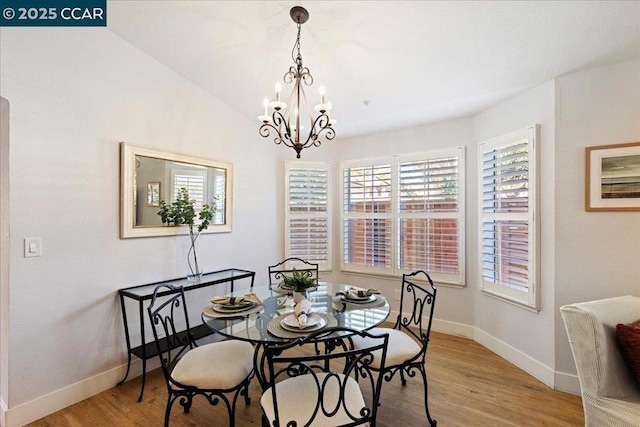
(442, 326)
(521, 360)
(67, 396)
(515, 356)
(453, 328)
(569, 383)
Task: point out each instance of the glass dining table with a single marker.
(266, 322)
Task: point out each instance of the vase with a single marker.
(195, 273)
(194, 278)
(299, 296)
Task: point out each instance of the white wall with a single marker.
(75, 94)
(597, 253)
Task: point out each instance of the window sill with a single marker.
(511, 301)
(393, 278)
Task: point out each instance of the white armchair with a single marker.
(610, 392)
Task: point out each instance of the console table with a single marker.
(141, 293)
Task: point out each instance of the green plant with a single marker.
(300, 280)
(182, 212)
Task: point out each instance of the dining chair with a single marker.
(219, 371)
(409, 337)
(279, 270)
(311, 389)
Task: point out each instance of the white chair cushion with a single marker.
(220, 365)
(297, 398)
(401, 347)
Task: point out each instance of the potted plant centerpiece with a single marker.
(182, 212)
(300, 282)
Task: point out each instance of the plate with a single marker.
(313, 320)
(243, 304)
(288, 324)
(228, 308)
(356, 299)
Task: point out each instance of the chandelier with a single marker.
(286, 118)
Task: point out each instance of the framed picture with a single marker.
(613, 177)
(153, 194)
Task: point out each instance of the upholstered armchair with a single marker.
(610, 392)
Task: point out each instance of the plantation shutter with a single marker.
(507, 236)
(193, 181)
(220, 183)
(308, 212)
(367, 216)
(405, 213)
(429, 215)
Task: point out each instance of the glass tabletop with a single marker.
(253, 327)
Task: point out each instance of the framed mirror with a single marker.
(149, 176)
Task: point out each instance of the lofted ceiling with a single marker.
(414, 61)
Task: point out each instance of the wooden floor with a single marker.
(468, 386)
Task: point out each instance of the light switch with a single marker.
(32, 247)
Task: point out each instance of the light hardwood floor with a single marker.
(468, 386)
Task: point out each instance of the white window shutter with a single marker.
(508, 246)
(367, 226)
(308, 212)
(405, 213)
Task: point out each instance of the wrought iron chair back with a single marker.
(170, 326)
(330, 380)
(420, 300)
(411, 335)
(178, 351)
(278, 271)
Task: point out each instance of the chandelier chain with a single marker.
(297, 59)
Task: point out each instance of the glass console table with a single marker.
(141, 293)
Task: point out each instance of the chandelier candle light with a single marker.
(285, 120)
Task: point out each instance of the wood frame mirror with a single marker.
(143, 170)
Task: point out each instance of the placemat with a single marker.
(276, 329)
(210, 312)
(380, 300)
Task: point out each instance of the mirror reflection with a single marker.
(150, 176)
(160, 179)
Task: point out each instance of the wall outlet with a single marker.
(397, 294)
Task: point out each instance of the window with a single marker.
(507, 222)
(405, 213)
(219, 177)
(367, 218)
(193, 181)
(428, 215)
(198, 183)
(308, 212)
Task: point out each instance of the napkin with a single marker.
(358, 292)
(302, 311)
(249, 296)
